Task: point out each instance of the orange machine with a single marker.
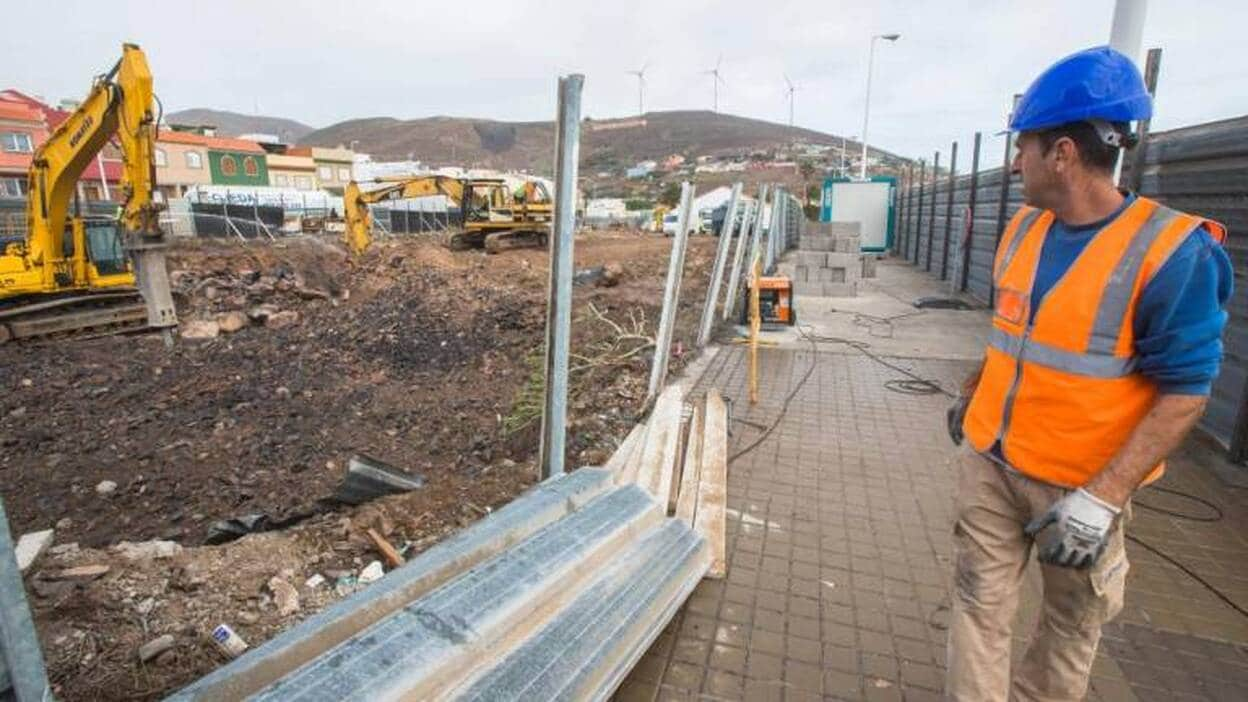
(775, 298)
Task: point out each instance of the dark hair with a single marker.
(1092, 150)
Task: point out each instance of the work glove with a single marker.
(1074, 530)
(954, 416)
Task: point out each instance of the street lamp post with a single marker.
(866, 110)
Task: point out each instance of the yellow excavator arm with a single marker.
(355, 202)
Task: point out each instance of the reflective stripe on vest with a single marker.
(1088, 364)
(1025, 221)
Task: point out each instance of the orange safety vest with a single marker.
(1061, 392)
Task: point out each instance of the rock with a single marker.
(314, 582)
(311, 293)
(27, 382)
(199, 329)
(105, 487)
(371, 573)
(86, 572)
(210, 293)
(230, 322)
(31, 546)
(18, 412)
(64, 523)
(282, 393)
(585, 276)
(285, 596)
(260, 313)
(144, 550)
(283, 319)
(612, 274)
(68, 550)
(50, 589)
(248, 276)
(248, 617)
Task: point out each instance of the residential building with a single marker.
(21, 130)
(186, 158)
(672, 162)
(100, 179)
(333, 168)
(641, 170)
(292, 171)
(606, 208)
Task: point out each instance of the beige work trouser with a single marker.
(990, 555)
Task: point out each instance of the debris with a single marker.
(311, 293)
(345, 585)
(283, 319)
(368, 478)
(314, 582)
(261, 313)
(226, 530)
(387, 551)
(155, 647)
(199, 329)
(585, 276)
(371, 573)
(612, 274)
(31, 546)
(228, 641)
(144, 550)
(230, 322)
(105, 487)
(64, 523)
(86, 572)
(285, 595)
(68, 550)
(942, 303)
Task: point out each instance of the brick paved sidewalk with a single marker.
(839, 530)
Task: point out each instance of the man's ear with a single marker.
(1065, 154)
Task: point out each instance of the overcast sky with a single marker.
(951, 73)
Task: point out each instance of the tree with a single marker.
(807, 170)
(670, 195)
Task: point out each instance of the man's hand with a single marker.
(1074, 530)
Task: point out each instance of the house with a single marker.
(195, 156)
(21, 129)
(641, 170)
(25, 124)
(333, 167)
(289, 167)
(672, 162)
(606, 208)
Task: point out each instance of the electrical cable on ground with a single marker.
(1190, 573)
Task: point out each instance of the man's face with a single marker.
(1041, 172)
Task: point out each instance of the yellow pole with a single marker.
(756, 324)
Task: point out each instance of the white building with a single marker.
(606, 208)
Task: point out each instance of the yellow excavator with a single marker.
(494, 217)
(72, 272)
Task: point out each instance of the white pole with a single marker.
(671, 293)
(1127, 32)
(866, 110)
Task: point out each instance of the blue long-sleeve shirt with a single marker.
(1179, 317)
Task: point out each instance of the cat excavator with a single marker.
(494, 217)
(71, 272)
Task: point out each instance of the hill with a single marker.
(233, 123)
(605, 144)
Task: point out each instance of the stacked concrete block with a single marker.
(868, 265)
(828, 264)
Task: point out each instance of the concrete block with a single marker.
(829, 275)
(834, 289)
(788, 268)
(868, 266)
(848, 244)
(801, 274)
(818, 242)
(845, 229)
(844, 260)
(31, 546)
(810, 259)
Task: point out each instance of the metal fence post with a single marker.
(910, 192)
(748, 226)
(671, 294)
(931, 215)
(918, 212)
(972, 199)
(721, 258)
(953, 175)
(19, 643)
(559, 306)
(1004, 201)
(1132, 177)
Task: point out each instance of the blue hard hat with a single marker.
(1094, 84)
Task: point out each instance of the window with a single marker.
(281, 180)
(325, 173)
(229, 167)
(303, 182)
(250, 167)
(194, 160)
(12, 187)
(16, 142)
(161, 159)
(344, 174)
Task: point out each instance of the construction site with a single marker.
(681, 406)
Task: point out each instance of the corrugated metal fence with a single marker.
(1201, 169)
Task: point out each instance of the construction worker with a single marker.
(1105, 338)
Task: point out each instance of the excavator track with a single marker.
(95, 315)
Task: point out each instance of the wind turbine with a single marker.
(641, 87)
(792, 93)
(716, 80)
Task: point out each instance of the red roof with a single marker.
(219, 143)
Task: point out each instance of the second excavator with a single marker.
(493, 216)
